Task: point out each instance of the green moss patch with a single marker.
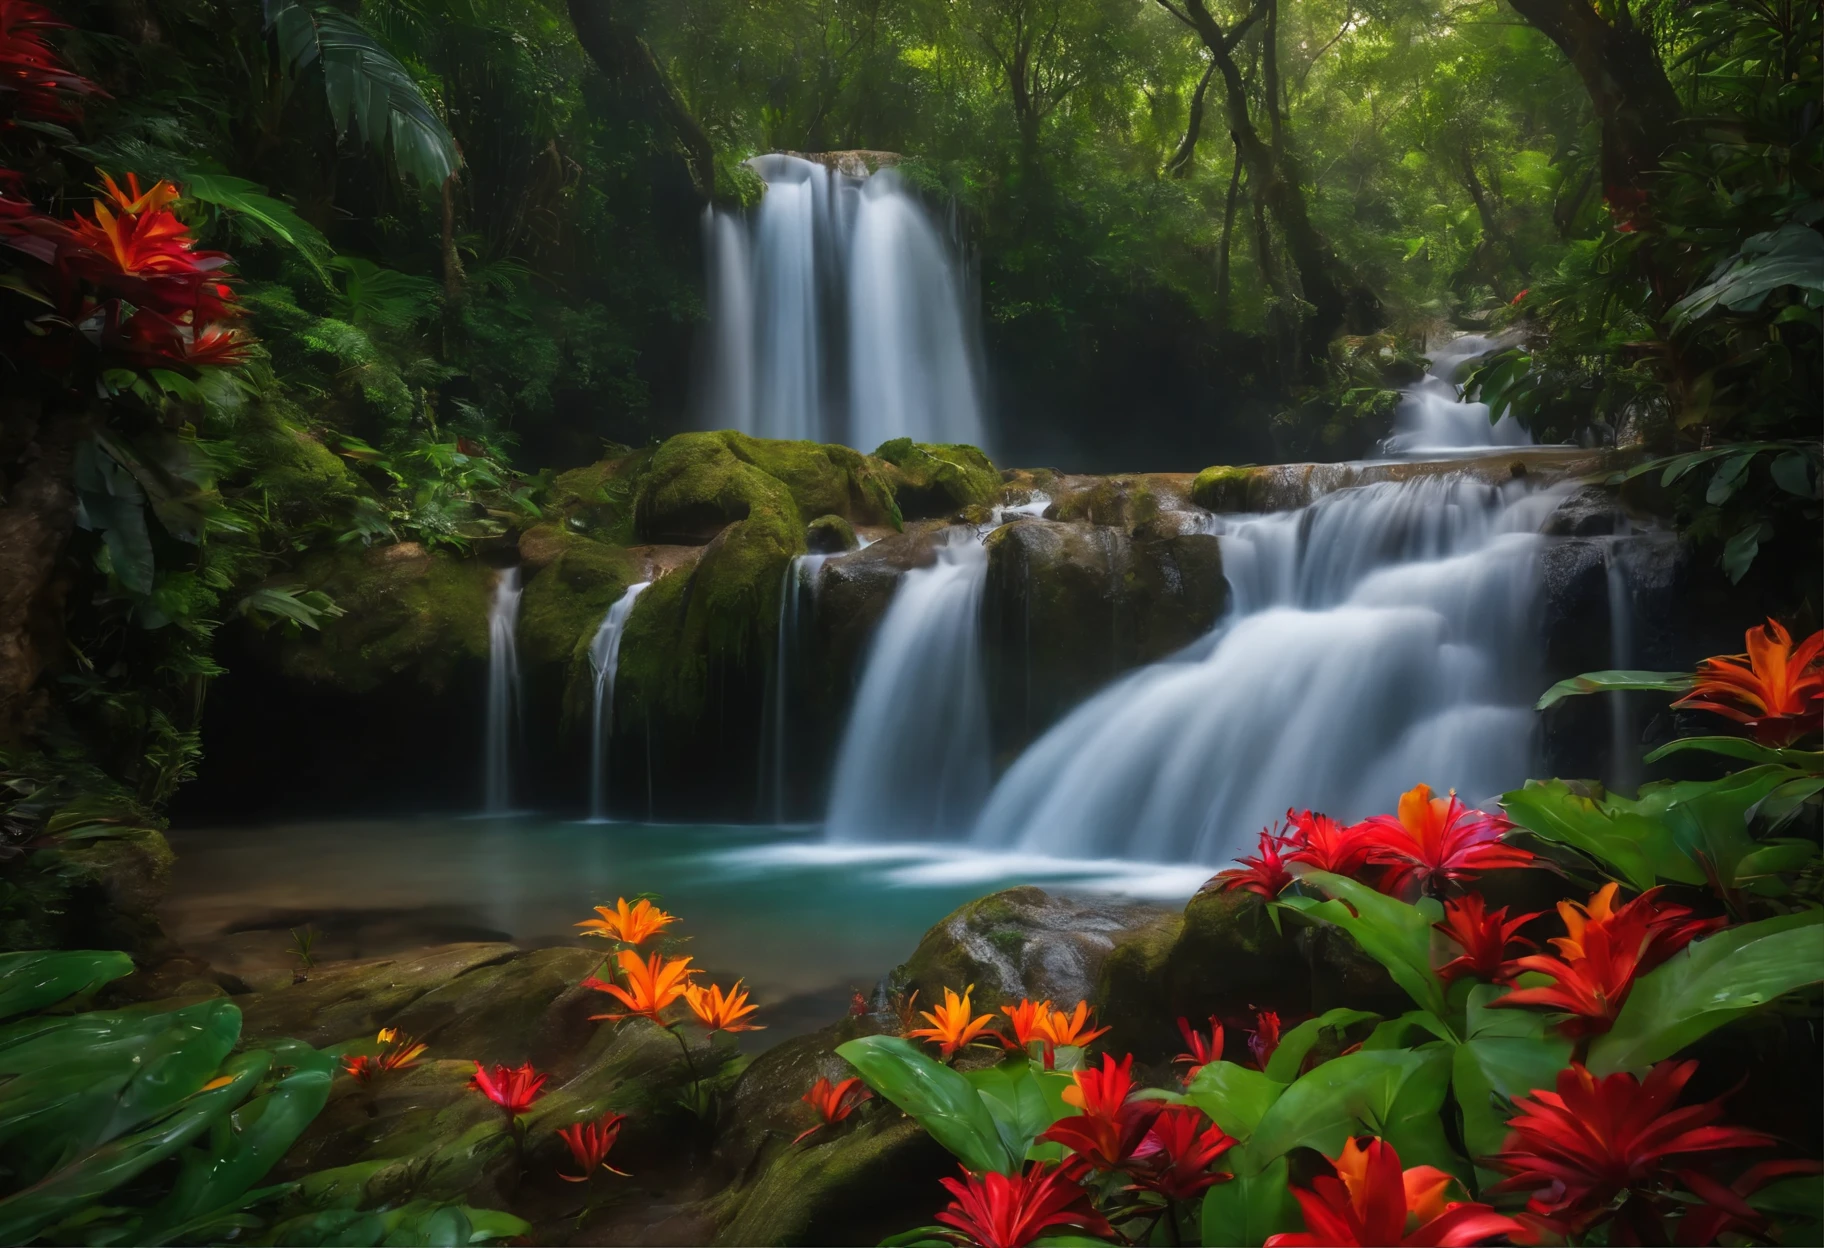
(933, 480)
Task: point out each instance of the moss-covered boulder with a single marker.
(1068, 607)
(1136, 502)
(407, 612)
(823, 479)
(829, 535)
(295, 475)
(936, 479)
(574, 583)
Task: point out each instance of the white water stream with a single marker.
(503, 694)
(604, 659)
(1432, 418)
(837, 314)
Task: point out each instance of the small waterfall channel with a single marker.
(503, 694)
(914, 760)
(604, 658)
(838, 313)
(1432, 418)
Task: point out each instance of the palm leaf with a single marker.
(273, 217)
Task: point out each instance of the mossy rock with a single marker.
(933, 480)
(598, 499)
(296, 476)
(1223, 488)
(829, 535)
(407, 612)
(823, 479)
(1229, 957)
(696, 486)
(1137, 502)
(565, 600)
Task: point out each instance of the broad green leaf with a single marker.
(1793, 473)
(92, 1175)
(1638, 848)
(943, 1101)
(420, 1222)
(1396, 1033)
(1728, 479)
(1710, 817)
(1508, 1053)
(1234, 1097)
(1744, 749)
(1354, 1094)
(1739, 551)
(1792, 255)
(1396, 935)
(1019, 1101)
(1295, 1044)
(1613, 682)
(273, 217)
(1251, 1207)
(1710, 983)
(36, 978)
(1773, 857)
(1414, 1123)
(214, 1180)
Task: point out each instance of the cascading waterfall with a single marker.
(837, 314)
(800, 579)
(914, 760)
(1624, 740)
(604, 658)
(503, 693)
(1433, 419)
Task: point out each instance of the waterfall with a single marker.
(1382, 636)
(800, 579)
(1432, 417)
(837, 314)
(1624, 740)
(503, 692)
(604, 658)
(913, 764)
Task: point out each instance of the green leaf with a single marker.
(1020, 1102)
(1792, 255)
(1774, 857)
(1708, 819)
(273, 217)
(1234, 1097)
(1641, 850)
(1396, 935)
(1613, 682)
(1295, 1044)
(1250, 1208)
(92, 1175)
(37, 978)
(1793, 473)
(943, 1101)
(1728, 479)
(1710, 983)
(1508, 1053)
(1354, 1094)
(1739, 551)
(1744, 749)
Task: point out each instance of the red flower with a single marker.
(1726, 1209)
(1604, 949)
(590, 1143)
(1201, 1049)
(1371, 1201)
(1178, 1152)
(1523, 294)
(1592, 1140)
(1264, 1038)
(513, 1089)
(1324, 843)
(1433, 839)
(1484, 936)
(33, 78)
(1111, 1129)
(832, 1102)
(1774, 689)
(998, 1211)
(1264, 874)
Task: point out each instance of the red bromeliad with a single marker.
(1264, 1038)
(590, 1143)
(833, 1102)
(1002, 1211)
(1435, 839)
(1201, 1048)
(33, 78)
(1175, 1158)
(1579, 1148)
(1112, 1128)
(1484, 935)
(1775, 689)
(1320, 841)
(1264, 875)
(1371, 1201)
(512, 1088)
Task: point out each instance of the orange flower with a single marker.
(1434, 839)
(720, 1012)
(1774, 689)
(652, 986)
(1370, 1200)
(400, 1053)
(590, 1143)
(1028, 1020)
(954, 1024)
(631, 925)
(832, 1102)
(1072, 1030)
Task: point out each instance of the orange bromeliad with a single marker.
(1069, 1030)
(833, 1102)
(631, 925)
(720, 1011)
(401, 1053)
(653, 985)
(590, 1143)
(1370, 1200)
(1028, 1020)
(1774, 688)
(954, 1024)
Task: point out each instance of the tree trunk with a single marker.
(1228, 233)
(452, 259)
(1179, 166)
(1634, 100)
(35, 525)
(625, 58)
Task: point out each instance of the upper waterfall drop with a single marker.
(1433, 418)
(503, 693)
(837, 313)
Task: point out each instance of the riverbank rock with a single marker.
(1155, 502)
(932, 481)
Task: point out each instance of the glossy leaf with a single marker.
(1297, 1043)
(1022, 1101)
(1708, 819)
(1741, 548)
(1396, 935)
(943, 1101)
(1745, 750)
(420, 1222)
(272, 217)
(1641, 850)
(1614, 682)
(1356, 1093)
(1234, 1097)
(1508, 1053)
(1710, 983)
(36, 978)
(1255, 1204)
